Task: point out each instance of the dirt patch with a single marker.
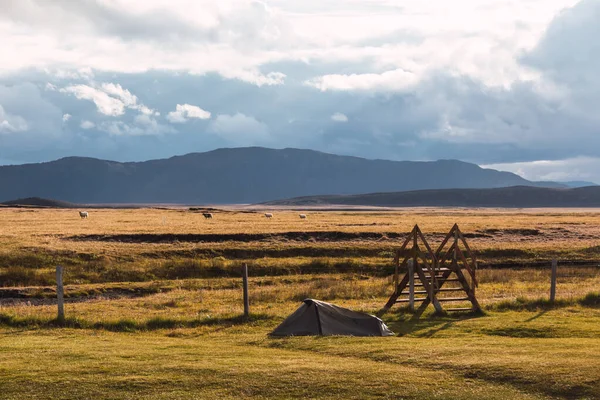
(238, 237)
(477, 235)
(518, 232)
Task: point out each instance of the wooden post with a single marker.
(474, 286)
(60, 294)
(246, 300)
(411, 286)
(456, 250)
(553, 280)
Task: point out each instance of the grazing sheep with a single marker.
(207, 215)
(83, 214)
(268, 215)
(302, 216)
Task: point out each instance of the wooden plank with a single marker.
(408, 300)
(411, 285)
(448, 236)
(406, 241)
(392, 300)
(454, 299)
(426, 244)
(429, 288)
(416, 292)
(445, 257)
(469, 252)
(429, 266)
(425, 304)
(468, 268)
(468, 289)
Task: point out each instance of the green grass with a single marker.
(73, 364)
(192, 342)
(511, 354)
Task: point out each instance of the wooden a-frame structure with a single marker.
(426, 272)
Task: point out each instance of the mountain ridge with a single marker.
(507, 197)
(238, 175)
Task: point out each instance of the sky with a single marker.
(506, 84)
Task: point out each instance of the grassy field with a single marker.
(147, 244)
(156, 312)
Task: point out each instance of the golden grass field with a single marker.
(154, 306)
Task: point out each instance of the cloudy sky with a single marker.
(511, 84)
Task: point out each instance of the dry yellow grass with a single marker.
(184, 338)
(153, 239)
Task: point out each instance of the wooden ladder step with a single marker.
(416, 292)
(442, 281)
(437, 290)
(453, 299)
(407, 300)
(459, 309)
(445, 280)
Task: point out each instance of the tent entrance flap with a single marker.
(316, 317)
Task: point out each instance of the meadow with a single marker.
(154, 306)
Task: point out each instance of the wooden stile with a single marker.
(431, 271)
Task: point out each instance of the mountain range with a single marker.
(240, 175)
(507, 197)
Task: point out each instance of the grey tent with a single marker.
(316, 317)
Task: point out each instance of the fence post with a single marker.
(60, 294)
(245, 281)
(553, 280)
(411, 285)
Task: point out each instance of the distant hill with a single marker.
(39, 202)
(241, 175)
(576, 184)
(517, 197)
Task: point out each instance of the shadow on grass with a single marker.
(591, 300)
(129, 325)
(428, 326)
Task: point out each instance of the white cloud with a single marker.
(240, 129)
(85, 124)
(183, 112)
(11, 123)
(117, 91)
(106, 104)
(240, 38)
(110, 99)
(73, 40)
(395, 80)
(66, 117)
(339, 117)
(570, 169)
